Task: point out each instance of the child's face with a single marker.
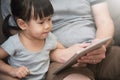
(39, 29)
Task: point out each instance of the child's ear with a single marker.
(22, 24)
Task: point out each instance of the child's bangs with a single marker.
(41, 11)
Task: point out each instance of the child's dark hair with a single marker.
(23, 9)
(6, 27)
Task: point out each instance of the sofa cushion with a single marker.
(114, 6)
(2, 38)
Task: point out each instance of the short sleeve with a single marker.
(92, 2)
(51, 41)
(9, 46)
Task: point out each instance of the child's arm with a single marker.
(62, 54)
(9, 70)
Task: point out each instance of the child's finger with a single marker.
(26, 70)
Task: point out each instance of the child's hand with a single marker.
(20, 72)
(73, 49)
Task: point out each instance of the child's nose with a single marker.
(47, 25)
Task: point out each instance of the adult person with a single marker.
(77, 21)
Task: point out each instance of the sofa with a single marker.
(114, 6)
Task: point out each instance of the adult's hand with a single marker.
(94, 56)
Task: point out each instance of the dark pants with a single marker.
(108, 69)
(60, 76)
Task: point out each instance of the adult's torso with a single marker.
(73, 21)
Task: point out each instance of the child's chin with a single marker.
(44, 37)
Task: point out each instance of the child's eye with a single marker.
(41, 22)
(49, 19)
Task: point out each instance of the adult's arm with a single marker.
(5, 68)
(19, 72)
(105, 28)
(104, 23)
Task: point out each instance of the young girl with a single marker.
(28, 51)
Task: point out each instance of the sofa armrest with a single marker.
(114, 6)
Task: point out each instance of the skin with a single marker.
(77, 77)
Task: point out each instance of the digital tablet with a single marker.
(80, 53)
